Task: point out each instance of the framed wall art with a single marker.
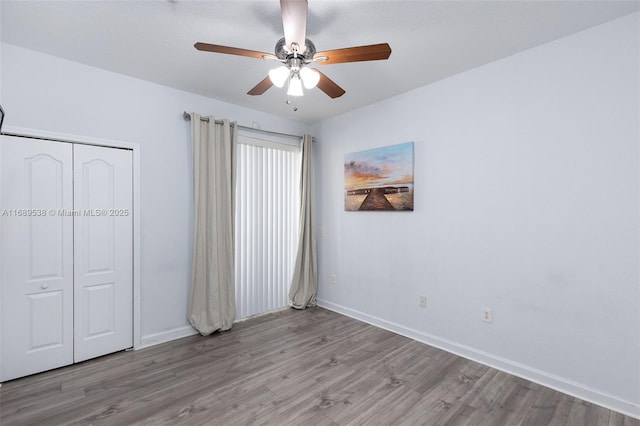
(379, 179)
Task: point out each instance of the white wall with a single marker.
(526, 201)
(47, 93)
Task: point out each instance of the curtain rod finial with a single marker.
(186, 115)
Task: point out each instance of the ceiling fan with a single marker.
(296, 52)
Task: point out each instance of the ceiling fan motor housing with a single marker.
(283, 53)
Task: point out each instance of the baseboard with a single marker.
(534, 375)
(166, 336)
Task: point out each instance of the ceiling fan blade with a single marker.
(329, 87)
(294, 22)
(261, 87)
(216, 48)
(372, 52)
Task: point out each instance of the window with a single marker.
(267, 216)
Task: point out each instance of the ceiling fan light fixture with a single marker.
(310, 77)
(295, 86)
(279, 76)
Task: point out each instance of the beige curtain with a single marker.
(304, 284)
(212, 304)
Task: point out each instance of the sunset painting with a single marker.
(379, 179)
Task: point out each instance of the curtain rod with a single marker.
(187, 117)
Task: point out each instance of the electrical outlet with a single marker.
(333, 279)
(423, 301)
(487, 315)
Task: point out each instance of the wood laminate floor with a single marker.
(312, 367)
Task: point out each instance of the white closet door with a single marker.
(36, 256)
(103, 240)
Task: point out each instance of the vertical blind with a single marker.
(267, 216)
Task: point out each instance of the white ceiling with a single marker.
(431, 40)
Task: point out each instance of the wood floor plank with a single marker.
(358, 401)
(291, 367)
(583, 412)
(618, 419)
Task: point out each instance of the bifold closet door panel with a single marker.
(36, 256)
(103, 242)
